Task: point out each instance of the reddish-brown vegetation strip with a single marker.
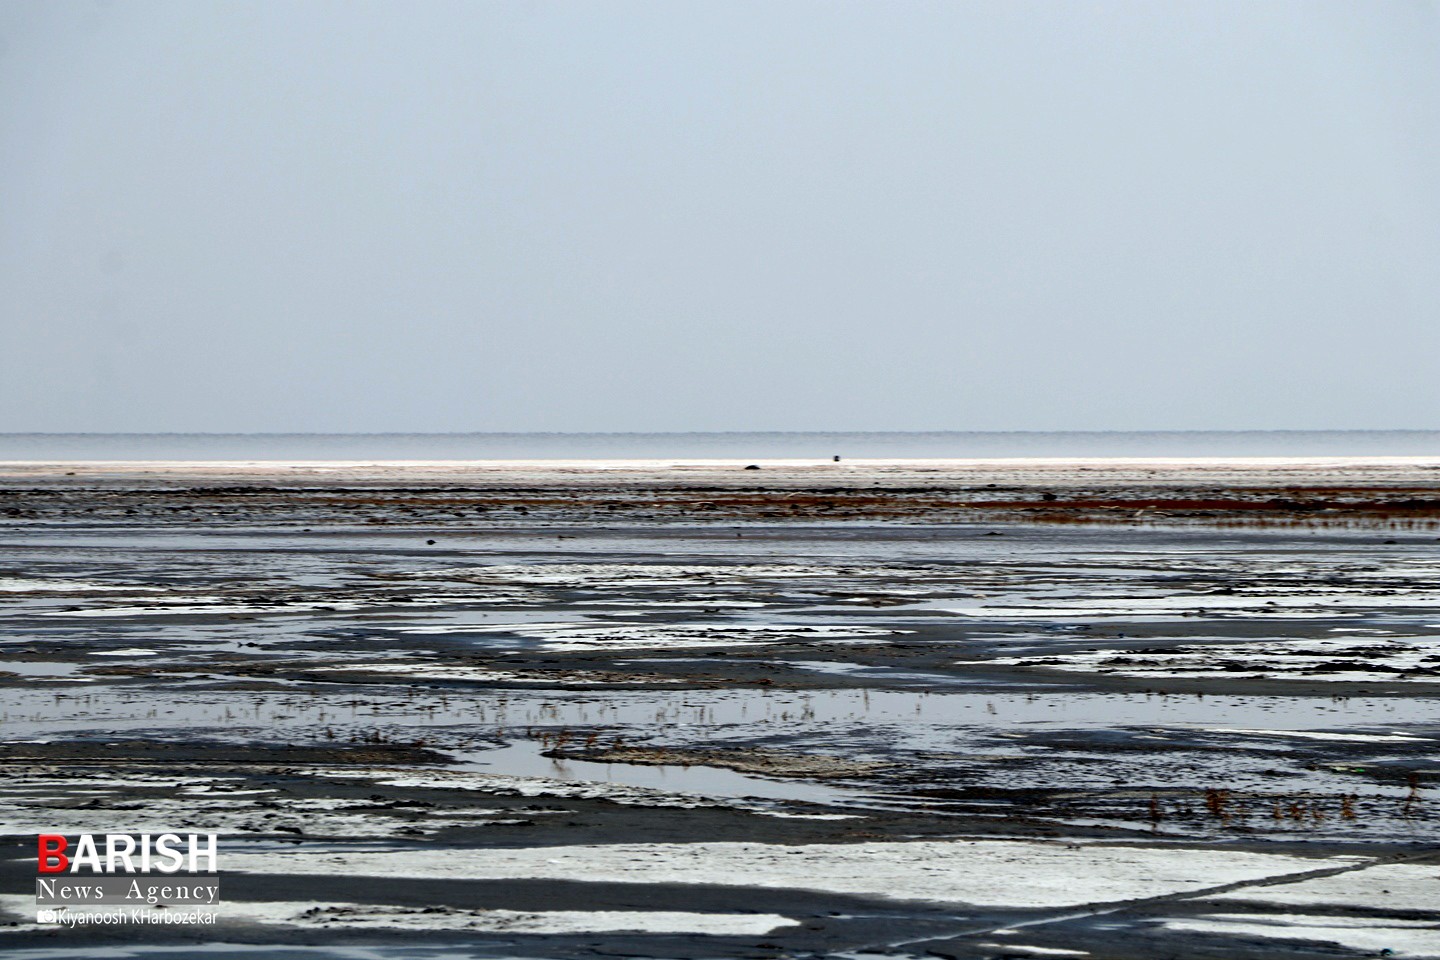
(483, 505)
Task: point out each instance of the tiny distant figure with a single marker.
(837, 458)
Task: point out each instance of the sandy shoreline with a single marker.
(1242, 470)
(1402, 492)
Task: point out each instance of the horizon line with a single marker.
(684, 433)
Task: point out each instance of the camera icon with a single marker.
(47, 916)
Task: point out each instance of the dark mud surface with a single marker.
(559, 714)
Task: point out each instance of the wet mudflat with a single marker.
(437, 713)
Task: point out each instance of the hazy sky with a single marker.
(719, 216)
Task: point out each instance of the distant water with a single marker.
(619, 446)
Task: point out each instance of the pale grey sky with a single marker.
(718, 216)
